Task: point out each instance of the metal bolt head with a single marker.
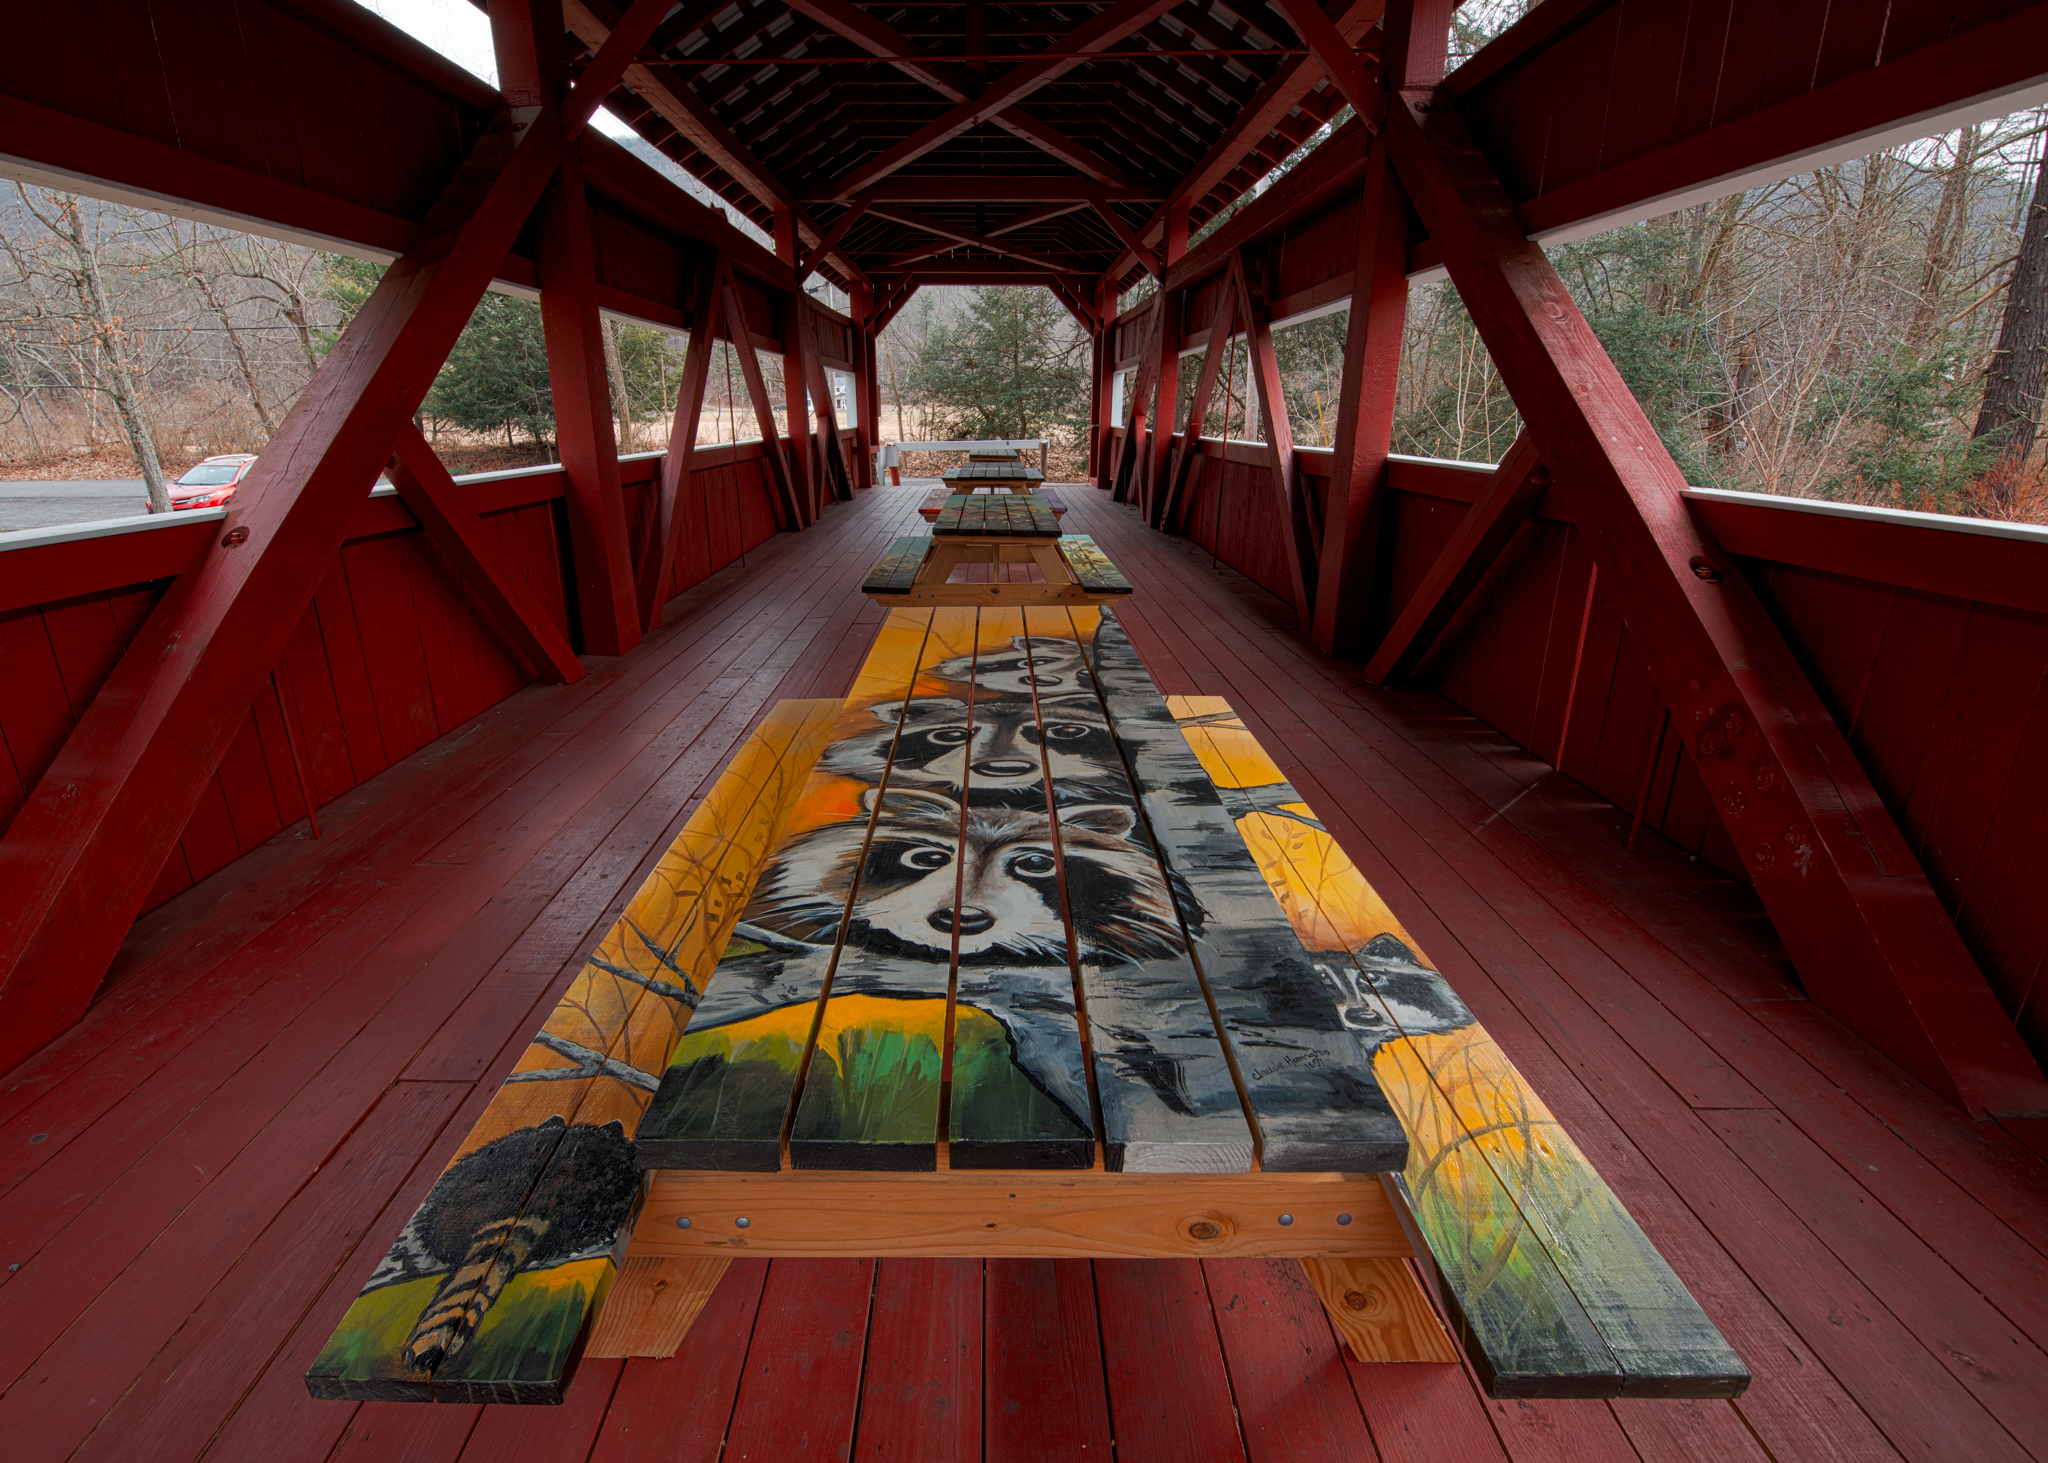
(1343, 1218)
(682, 1221)
(742, 1222)
(1285, 1220)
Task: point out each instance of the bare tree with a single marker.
(65, 218)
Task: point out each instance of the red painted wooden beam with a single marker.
(84, 851)
(1104, 29)
(658, 557)
(790, 506)
(1865, 930)
(1222, 325)
(607, 606)
(1298, 528)
(1511, 499)
(438, 503)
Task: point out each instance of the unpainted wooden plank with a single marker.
(486, 1294)
(1459, 1096)
(1168, 1101)
(1314, 1101)
(1047, 1213)
(652, 1305)
(1380, 1310)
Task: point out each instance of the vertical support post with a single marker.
(1365, 414)
(606, 603)
(1166, 401)
(805, 466)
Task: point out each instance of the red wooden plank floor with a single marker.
(195, 1180)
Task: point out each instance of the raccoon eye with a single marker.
(1067, 731)
(947, 736)
(927, 858)
(1033, 865)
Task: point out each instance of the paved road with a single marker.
(44, 505)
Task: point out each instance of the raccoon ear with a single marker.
(908, 802)
(1112, 818)
(924, 708)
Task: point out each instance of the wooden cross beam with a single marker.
(657, 559)
(437, 502)
(1104, 29)
(1365, 414)
(1299, 528)
(682, 109)
(83, 852)
(1866, 931)
(888, 44)
(1511, 500)
(1222, 329)
(607, 606)
(899, 214)
(789, 505)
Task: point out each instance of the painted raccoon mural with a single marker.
(1006, 878)
(1049, 667)
(994, 747)
(1394, 984)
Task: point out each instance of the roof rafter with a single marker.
(897, 213)
(888, 44)
(1105, 29)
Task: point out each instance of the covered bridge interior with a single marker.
(1720, 811)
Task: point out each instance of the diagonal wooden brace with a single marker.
(1298, 527)
(659, 555)
(83, 852)
(1221, 328)
(1864, 927)
(436, 501)
(1511, 499)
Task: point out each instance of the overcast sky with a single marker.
(460, 31)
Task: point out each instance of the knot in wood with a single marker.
(1360, 1300)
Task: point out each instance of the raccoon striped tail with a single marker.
(458, 1307)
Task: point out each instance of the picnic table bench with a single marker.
(846, 1016)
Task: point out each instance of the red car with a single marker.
(212, 482)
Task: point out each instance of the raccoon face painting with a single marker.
(1006, 875)
(1049, 667)
(995, 750)
(1418, 999)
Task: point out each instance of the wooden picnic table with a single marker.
(1008, 954)
(994, 528)
(1013, 475)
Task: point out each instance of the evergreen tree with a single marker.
(497, 374)
(1012, 366)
